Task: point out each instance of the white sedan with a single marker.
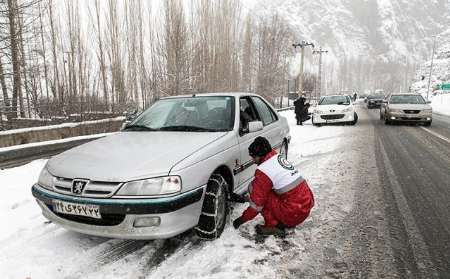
(334, 109)
(169, 170)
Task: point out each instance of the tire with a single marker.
(427, 124)
(284, 150)
(355, 119)
(215, 209)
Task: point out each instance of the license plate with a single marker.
(87, 210)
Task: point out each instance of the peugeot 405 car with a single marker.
(334, 109)
(169, 170)
(406, 107)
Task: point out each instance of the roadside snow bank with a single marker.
(441, 104)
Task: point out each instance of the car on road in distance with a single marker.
(169, 170)
(374, 101)
(334, 109)
(407, 108)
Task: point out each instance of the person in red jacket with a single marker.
(278, 192)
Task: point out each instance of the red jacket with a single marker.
(290, 208)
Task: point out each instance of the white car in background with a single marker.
(334, 109)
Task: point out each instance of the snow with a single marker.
(31, 247)
(441, 104)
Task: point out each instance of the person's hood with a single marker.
(129, 156)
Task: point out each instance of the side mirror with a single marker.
(255, 126)
(428, 102)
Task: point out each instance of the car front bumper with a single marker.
(407, 117)
(336, 117)
(177, 214)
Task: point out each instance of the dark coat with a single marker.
(299, 105)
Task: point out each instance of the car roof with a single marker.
(230, 94)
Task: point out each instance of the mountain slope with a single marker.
(380, 29)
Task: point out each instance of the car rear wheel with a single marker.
(215, 209)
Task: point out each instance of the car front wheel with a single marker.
(215, 209)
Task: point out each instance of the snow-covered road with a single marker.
(334, 159)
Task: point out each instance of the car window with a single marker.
(407, 99)
(335, 100)
(264, 111)
(247, 112)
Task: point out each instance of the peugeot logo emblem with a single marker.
(78, 186)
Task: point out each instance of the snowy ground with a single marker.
(441, 104)
(31, 247)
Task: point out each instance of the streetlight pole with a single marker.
(302, 45)
(431, 66)
(320, 52)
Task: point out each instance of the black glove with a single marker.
(237, 223)
(233, 197)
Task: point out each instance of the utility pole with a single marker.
(320, 52)
(302, 45)
(431, 67)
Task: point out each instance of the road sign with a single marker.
(445, 86)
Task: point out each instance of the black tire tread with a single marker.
(206, 228)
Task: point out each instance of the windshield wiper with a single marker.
(343, 103)
(137, 127)
(186, 128)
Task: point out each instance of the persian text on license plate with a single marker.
(77, 209)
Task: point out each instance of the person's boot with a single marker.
(266, 231)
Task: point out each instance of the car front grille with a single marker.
(93, 189)
(332, 116)
(412, 111)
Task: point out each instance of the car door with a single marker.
(254, 109)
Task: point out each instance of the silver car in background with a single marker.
(169, 170)
(407, 108)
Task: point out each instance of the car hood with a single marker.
(329, 108)
(127, 156)
(410, 106)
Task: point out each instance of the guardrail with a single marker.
(286, 108)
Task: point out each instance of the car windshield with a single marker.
(407, 99)
(191, 114)
(335, 100)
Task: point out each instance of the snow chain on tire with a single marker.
(207, 225)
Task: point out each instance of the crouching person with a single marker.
(278, 192)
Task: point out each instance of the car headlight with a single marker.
(318, 111)
(427, 110)
(347, 109)
(151, 187)
(46, 180)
